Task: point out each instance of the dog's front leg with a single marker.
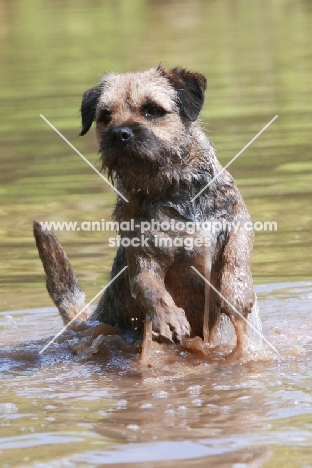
(147, 284)
(236, 284)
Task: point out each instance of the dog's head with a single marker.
(143, 120)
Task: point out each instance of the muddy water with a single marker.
(88, 403)
(102, 406)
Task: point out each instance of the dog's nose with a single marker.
(122, 134)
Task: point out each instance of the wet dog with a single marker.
(154, 149)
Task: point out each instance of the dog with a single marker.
(154, 149)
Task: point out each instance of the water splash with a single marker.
(224, 333)
(254, 330)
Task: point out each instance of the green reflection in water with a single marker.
(257, 59)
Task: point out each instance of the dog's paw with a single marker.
(170, 325)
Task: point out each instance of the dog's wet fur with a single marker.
(154, 149)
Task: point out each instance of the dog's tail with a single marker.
(62, 284)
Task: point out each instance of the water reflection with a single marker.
(257, 60)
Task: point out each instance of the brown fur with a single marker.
(154, 149)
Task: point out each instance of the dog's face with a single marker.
(143, 120)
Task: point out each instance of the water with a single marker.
(94, 408)
(111, 409)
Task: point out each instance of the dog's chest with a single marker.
(159, 230)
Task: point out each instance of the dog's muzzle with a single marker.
(122, 134)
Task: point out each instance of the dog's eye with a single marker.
(152, 111)
(105, 116)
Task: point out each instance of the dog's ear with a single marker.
(88, 107)
(190, 88)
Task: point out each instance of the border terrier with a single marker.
(154, 149)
